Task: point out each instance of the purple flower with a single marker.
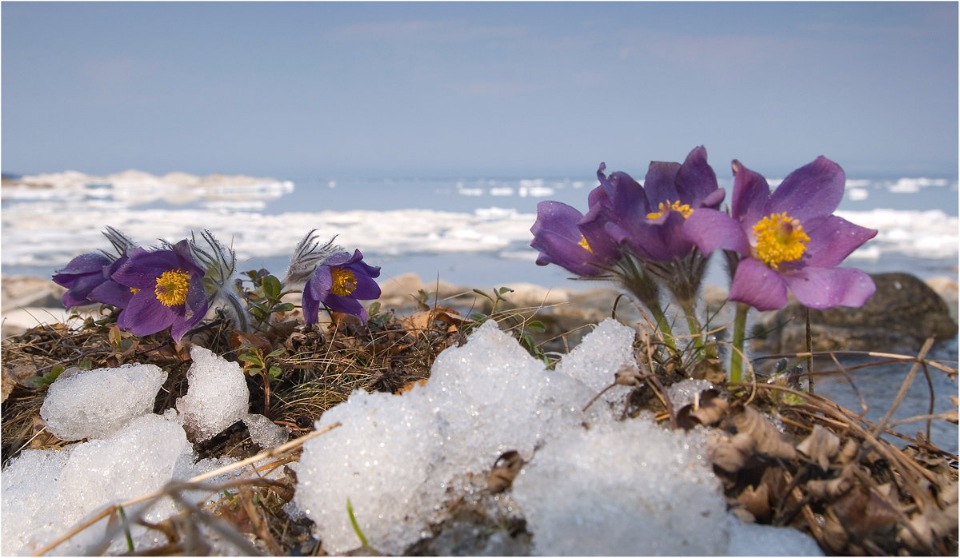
(787, 239)
(340, 282)
(560, 239)
(649, 219)
(167, 291)
(81, 276)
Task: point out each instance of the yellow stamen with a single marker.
(664, 207)
(134, 290)
(344, 281)
(172, 287)
(779, 238)
(585, 245)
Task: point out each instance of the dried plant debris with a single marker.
(824, 473)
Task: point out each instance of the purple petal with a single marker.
(347, 305)
(711, 230)
(558, 218)
(367, 288)
(696, 180)
(144, 315)
(192, 315)
(311, 306)
(660, 183)
(568, 255)
(813, 190)
(821, 288)
(750, 195)
(832, 239)
(82, 265)
(758, 285)
(142, 268)
(112, 293)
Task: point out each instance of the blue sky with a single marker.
(303, 90)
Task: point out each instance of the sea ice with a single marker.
(216, 398)
(96, 403)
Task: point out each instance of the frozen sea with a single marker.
(468, 231)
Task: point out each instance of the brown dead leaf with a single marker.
(410, 385)
(831, 489)
(756, 500)
(729, 452)
(864, 514)
(505, 469)
(768, 440)
(820, 446)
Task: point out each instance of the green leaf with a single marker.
(275, 353)
(356, 526)
(251, 358)
(284, 307)
(536, 326)
(271, 287)
(275, 372)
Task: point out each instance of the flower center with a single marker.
(172, 287)
(780, 238)
(344, 281)
(664, 207)
(584, 244)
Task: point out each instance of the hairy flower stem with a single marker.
(237, 309)
(739, 330)
(689, 310)
(644, 289)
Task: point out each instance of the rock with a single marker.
(30, 301)
(30, 292)
(903, 313)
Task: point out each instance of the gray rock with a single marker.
(903, 313)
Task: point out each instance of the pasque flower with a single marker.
(87, 277)
(649, 219)
(167, 291)
(340, 282)
(557, 235)
(789, 239)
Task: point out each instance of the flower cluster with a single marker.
(175, 285)
(661, 234)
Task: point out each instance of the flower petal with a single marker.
(696, 180)
(660, 183)
(112, 293)
(813, 190)
(142, 268)
(821, 288)
(758, 285)
(750, 195)
(832, 239)
(710, 230)
(144, 315)
(347, 305)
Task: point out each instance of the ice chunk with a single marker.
(55, 489)
(684, 392)
(264, 432)
(31, 500)
(399, 458)
(96, 403)
(380, 459)
(623, 488)
(596, 360)
(216, 398)
(751, 539)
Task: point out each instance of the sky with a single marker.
(311, 90)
